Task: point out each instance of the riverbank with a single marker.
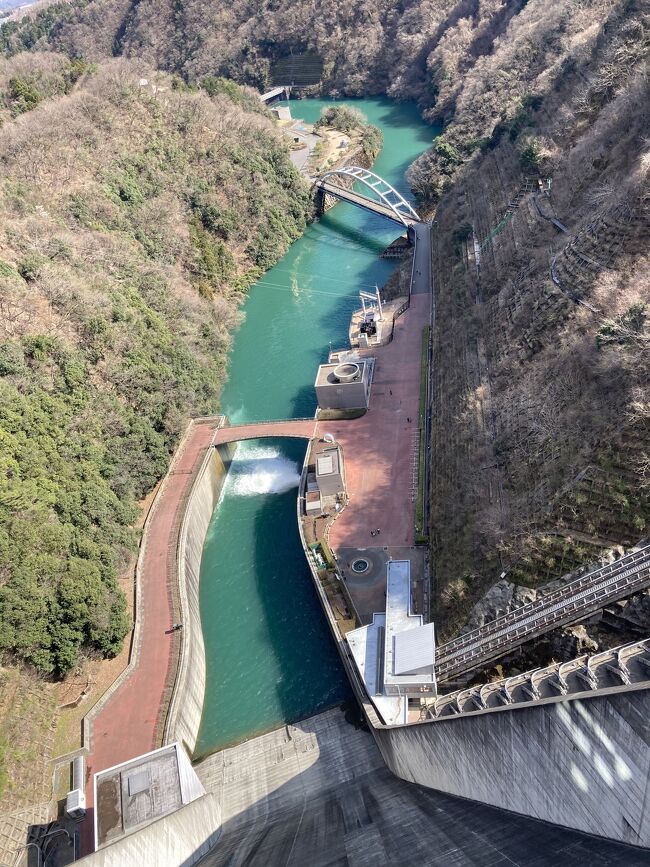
(255, 679)
(280, 326)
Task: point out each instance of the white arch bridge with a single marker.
(378, 195)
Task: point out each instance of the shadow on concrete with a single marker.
(344, 807)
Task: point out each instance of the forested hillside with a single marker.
(407, 48)
(541, 449)
(542, 368)
(134, 212)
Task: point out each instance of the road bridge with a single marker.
(569, 604)
(383, 199)
(274, 93)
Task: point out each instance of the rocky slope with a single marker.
(541, 372)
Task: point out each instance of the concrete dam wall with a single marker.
(187, 704)
(583, 764)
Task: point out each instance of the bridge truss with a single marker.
(387, 194)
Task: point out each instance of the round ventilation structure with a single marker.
(346, 372)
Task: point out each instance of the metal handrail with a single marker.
(266, 421)
(587, 594)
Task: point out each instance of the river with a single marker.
(270, 657)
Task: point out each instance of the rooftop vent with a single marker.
(138, 782)
(347, 372)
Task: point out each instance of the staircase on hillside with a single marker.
(513, 205)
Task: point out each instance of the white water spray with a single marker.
(261, 470)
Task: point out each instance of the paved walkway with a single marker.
(379, 448)
(127, 724)
(290, 428)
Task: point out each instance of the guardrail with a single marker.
(402, 309)
(620, 668)
(266, 421)
(581, 597)
(415, 255)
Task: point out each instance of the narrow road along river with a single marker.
(270, 658)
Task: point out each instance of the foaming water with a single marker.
(261, 470)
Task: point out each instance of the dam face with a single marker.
(583, 764)
(318, 793)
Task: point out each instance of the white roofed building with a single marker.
(395, 654)
(409, 646)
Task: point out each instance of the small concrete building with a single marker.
(130, 796)
(345, 385)
(367, 646)
(282, 112)
(395, 654)
(329, 474)
(312, 495)
(409, 647)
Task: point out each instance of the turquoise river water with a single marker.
(270, 657)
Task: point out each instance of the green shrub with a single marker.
(446, 150)
(22, 95)
(625, 328)
(372, 140)
(218, 86)
(214, 263)
(530, 154)
(12, 360)
(344, 118)
(30, 267)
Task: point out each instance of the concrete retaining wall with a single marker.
(583, 764)
(183, 838)
(186, 708)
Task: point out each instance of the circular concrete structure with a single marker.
(360, 566)
(346, 372)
